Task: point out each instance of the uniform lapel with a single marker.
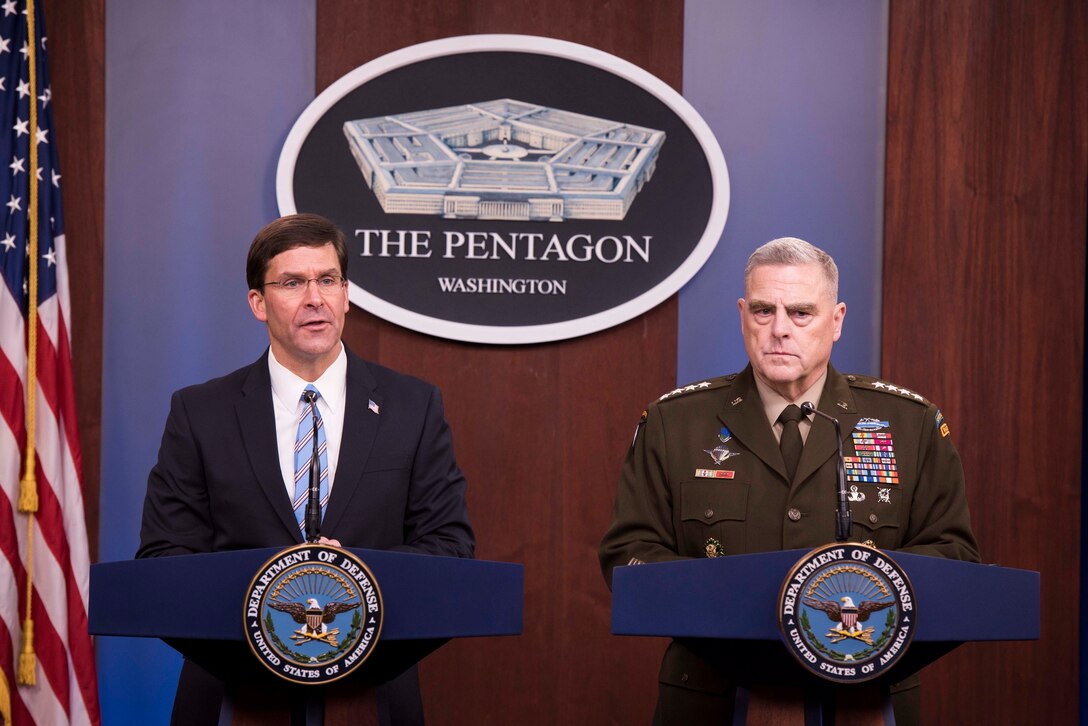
(837, 401)
(257, 421)
(747, 421)
(360, 430)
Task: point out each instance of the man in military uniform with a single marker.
(731, 465)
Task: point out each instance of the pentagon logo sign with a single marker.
(508, 189)
(847, 612)
(313, 614)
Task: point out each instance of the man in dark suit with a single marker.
(226, 473)
(730, 466)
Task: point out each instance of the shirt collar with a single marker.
(773, 403)
(287, 388)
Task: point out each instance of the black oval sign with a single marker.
(509, 189)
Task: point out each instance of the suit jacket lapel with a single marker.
(746, 419)
(257, 421)
(837, 401)
(360, 430)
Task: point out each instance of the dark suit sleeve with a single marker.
(436, 517)
(177, 518)
(642, 528)
(940, 524)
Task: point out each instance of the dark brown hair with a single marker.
(287, 233)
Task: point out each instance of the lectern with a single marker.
(196, 602)
(726, 607)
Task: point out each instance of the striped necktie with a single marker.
(304, 451)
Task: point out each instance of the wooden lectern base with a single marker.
(786, 706)
(343, 703)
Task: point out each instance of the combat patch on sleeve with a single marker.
(942, 425)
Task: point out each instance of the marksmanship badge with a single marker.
(313, 614)
(847, 612)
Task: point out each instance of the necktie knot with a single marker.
(790, 413)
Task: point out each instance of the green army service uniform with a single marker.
(705, 477)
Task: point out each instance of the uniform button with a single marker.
(708, 513)
(851, 378)
(794, 514)
(684, 678)
(873, 518)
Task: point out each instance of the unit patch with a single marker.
(846, 612)
(313, 614)
(938, 418)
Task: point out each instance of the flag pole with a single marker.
(28, 490)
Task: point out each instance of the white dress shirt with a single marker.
(287, 402)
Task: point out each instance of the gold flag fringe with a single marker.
(28, 491)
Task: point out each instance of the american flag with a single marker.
(52, 542)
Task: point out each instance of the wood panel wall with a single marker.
(76, 41)
(540, 430)
(983, 310)
(984, 273)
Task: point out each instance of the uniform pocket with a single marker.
(712, 509)
(876, 519)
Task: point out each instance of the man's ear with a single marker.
(256, 304)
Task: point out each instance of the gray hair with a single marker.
(793, 251)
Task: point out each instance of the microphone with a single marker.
(313, 499)
(843, 515)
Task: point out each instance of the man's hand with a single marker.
(329, 542)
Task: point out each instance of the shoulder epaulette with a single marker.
(875, 384)
(706, 385)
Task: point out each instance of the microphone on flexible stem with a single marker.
(313, 498)
(843, 516)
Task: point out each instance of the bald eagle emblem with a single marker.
(313, 613)
(314, 618)
(848, 615)
(847, 612)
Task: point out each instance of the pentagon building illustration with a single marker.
(504, 159)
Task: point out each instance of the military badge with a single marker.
(884, 495)
(855, 495)
(313, 614)
(724, 435)
(713, 548)
(847, 612)
(720, 453)
(938, 418)
(871, 424)
(874, 459)
(714, 474)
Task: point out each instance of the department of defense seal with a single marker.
(313, 613)
(847, 612)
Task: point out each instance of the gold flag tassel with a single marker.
(5, 699)
(28, 491)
